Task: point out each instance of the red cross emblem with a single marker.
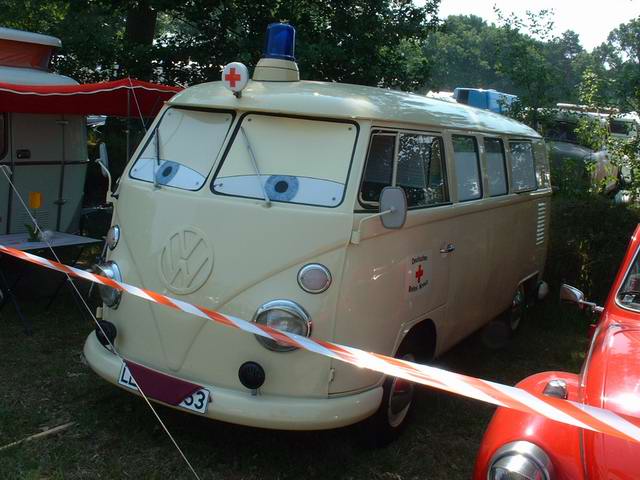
(419, 273)
(235, 77)
(232, 77)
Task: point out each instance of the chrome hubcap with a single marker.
(400, 398)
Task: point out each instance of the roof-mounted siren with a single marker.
(278, 63)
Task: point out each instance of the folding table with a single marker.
(57, 240)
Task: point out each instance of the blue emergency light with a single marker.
(281, 40)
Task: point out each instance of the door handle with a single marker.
(448, 249)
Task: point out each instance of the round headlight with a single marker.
(314, 278)
(110, 296)
(282, 315)
(520, 461)
(113, 237)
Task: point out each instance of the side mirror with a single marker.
(571, 294)
(103, 159)
(393, 207)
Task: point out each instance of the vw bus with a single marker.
(262, 199)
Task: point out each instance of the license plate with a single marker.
(196, 402)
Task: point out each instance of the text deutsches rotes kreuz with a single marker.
(418, 273)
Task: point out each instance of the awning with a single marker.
(121, 98)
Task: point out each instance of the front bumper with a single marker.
(264, 411)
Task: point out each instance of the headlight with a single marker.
(520, 461)
(110, 296)
(282, 315)
(113, 237)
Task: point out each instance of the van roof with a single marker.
(339, 100)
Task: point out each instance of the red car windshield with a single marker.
(629, 294)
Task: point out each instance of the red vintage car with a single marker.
(527, 447)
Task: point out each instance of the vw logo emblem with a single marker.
(186, 261)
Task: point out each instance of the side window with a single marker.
(420, 170)
(379, 169)
(467, 165)
(543, 176)
(3, 135)
(523, 170)
(496, 166)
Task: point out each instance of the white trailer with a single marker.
(46, 152)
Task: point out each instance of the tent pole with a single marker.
(128, 124)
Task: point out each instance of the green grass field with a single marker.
(44, 383)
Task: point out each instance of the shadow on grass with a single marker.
(45, 383)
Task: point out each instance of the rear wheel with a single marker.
(498, 332)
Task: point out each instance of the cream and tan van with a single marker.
(373, 218)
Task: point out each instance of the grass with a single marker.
(44, 382)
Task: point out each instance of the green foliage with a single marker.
(589, 236)
(354, 41)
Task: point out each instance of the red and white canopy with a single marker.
(120, 98)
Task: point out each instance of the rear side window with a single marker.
(420, 170)
(465, 150)
(523, 170)
(412, 161)
(496, 166)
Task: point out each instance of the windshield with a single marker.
(629, 294)
(294, 160)
(182, 149)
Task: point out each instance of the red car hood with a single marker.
(613, 382)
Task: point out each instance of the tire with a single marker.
(499, 332)
(396, 407)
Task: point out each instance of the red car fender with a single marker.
(560, 441)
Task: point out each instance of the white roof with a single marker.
(28, 37)
(339, 100)
(31, 76)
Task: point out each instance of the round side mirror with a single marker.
(393, 207)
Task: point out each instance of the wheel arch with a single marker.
(420, 339)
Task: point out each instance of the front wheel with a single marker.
(395, 409)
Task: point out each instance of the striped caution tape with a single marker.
(564, 411)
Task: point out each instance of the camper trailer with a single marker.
(383, 220)
(46, 153)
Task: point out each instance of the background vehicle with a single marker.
(537, 448)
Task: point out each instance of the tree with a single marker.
(357, 41)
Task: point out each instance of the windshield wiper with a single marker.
(157, 162)
(267, 200)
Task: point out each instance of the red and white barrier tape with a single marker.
(564, 411)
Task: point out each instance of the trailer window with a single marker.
(182, 149)
(523, 170)
(379, 170)
(496, 166)
(420, 170)
(3, 135)
(467, 166)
